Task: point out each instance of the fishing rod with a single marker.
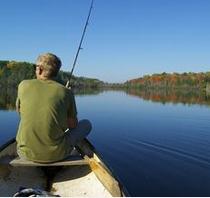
(80, 44)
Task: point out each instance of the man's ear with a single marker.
(40, 70)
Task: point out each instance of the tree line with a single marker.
(175, 80)
(13, 72)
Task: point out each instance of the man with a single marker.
(47, 109)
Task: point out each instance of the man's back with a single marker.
(45, 106)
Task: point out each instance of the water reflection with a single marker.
(172, 96)
(87, 91)
(8, 96)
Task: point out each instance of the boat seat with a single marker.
(71, 160)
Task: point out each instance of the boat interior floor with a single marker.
(71, 181)
(78, 181)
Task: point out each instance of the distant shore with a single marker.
(13, 72)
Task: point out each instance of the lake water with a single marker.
(157, 144)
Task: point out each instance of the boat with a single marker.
(82, 174)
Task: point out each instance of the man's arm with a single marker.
(18, 105)
(18, 100)
(19, 92)
(72, 112)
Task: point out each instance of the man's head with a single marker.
(47, 66)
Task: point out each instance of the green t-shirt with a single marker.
(45, 107)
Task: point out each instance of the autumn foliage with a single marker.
(175, 80)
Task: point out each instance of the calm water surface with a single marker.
(156, 148)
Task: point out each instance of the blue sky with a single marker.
(125, 39)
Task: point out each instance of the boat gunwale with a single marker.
(108, 168)
(5, 145)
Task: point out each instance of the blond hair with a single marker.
(50, 64)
